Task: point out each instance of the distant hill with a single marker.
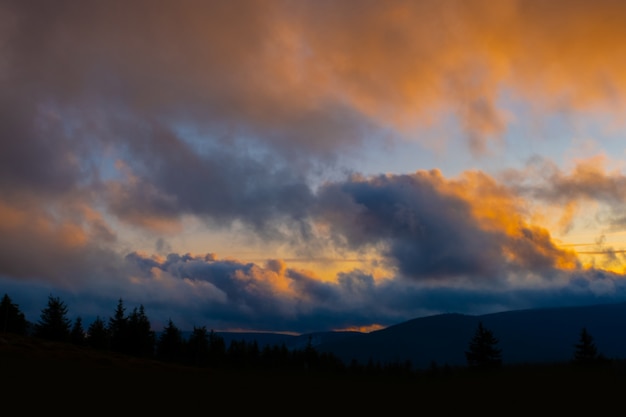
(525, 336)
(290, 341)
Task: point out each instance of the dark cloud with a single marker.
(170, 179)
(432, 231)
(425, 231)
(230, 295)
(36, 153)
(275, 298)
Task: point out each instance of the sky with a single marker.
(299, 166)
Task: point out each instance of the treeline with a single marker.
(130, 333)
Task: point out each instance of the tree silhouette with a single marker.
(98, 335)
(53, 323)
(483, 351)
(77, 335)
(131, 334)
(170, 344)
(585, 351)
(198, 347)
(12, 320)
(118, 328)
(217, 349)
(141, 337)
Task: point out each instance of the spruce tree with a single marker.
(53, 323)
(118, 329)
(12, 320)
(98, 335)
(141, 337)
(483, 351)
(198, 348)
(585, 351)
(77, 335)
(170, 344)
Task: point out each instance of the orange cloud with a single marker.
(402, 62)
(278, 67)
(499, 209)
(432, 228)
(54, 240)
(266, 280)
(362, 329)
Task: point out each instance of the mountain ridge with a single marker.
(535, 335)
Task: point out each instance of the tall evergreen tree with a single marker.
(483, 351)
(198, 348)
(585, 351)
(98, 335)
(54, 324)
(12, 320)
(77, 335)
(141, 337)
(170, 344)
(118, 328)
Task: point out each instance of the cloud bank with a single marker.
(123, 121)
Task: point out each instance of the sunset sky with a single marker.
(300, 166)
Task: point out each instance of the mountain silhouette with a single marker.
(525, 336)
(546, 335)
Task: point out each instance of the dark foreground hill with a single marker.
(39, 376)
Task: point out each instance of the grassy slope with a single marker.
(40, 375)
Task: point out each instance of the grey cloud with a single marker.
(221, 185)
(427, 232)
(83, 82)
(428, 229)
(354, 300)
(588, 180)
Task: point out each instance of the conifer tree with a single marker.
(118, 328)
(483, 351)
(77, 335)
(12, 320)
(198, 349)
(53, 323)
(585, 351)
(141, 337)
(98, 335)
(170, 344)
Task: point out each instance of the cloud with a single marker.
(589, 179)
(268, 72)
(65, 243)
(170, 180)
(230, 295)
(404, 61)
(125, 118)
(250, 95)
(435, 228)
(589, 184)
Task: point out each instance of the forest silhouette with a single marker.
(130, 333)
(125, 347)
